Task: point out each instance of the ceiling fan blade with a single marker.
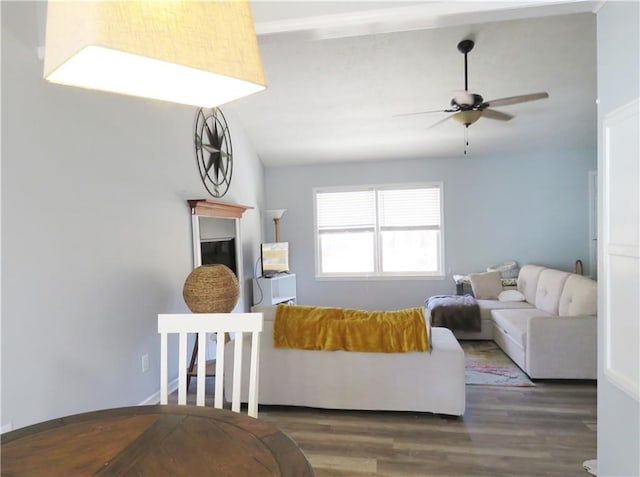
(437, 123)
(423, 112)
(493, 114)
(517, 99)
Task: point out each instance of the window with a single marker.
(379, 231)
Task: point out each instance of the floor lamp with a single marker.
(276, 214)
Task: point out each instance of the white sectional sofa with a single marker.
(551, 334)
(418, 381)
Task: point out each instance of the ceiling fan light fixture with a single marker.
(467, 117)
(468, 107)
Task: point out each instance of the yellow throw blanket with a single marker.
(330, 329)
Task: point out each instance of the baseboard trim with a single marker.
(155, 397)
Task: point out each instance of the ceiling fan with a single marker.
(468, 107)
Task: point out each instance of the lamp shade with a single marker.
(190, 52)
(211, 289)
(275, 213)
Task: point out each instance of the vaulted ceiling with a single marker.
(340, 76)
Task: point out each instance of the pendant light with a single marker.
(190, 52)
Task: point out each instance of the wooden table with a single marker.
(153, 441)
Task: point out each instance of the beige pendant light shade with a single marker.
(190, 52)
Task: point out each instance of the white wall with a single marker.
(532, 208)
(96, 237)
(618, 84)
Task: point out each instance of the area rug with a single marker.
(486, 363)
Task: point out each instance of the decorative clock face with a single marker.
(214, 153)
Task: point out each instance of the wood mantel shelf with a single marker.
(217, 208)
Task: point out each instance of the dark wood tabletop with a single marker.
(152, 441)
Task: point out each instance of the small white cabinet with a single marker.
(274, 290)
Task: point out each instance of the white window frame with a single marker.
(377, 274)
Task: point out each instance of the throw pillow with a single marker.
(486, 286)
(511, 295)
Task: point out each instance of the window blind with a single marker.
(418, 207)
(339, 210)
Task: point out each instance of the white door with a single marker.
(620, 243)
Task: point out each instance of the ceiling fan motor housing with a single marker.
(465, 102)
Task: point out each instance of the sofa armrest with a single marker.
(562, 347)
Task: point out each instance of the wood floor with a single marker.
(547, 430)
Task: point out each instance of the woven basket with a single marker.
(211, 289)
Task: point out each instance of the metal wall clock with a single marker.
(214, 153)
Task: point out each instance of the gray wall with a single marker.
(96, 237)
(532, 208)
(618, 84)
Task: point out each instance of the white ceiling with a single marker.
(338, 73)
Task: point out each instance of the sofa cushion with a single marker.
(579, 297)
(486, 306)
(514, 322)
(528, 281)
(550, 284)
(486, 286)
(511, 295)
